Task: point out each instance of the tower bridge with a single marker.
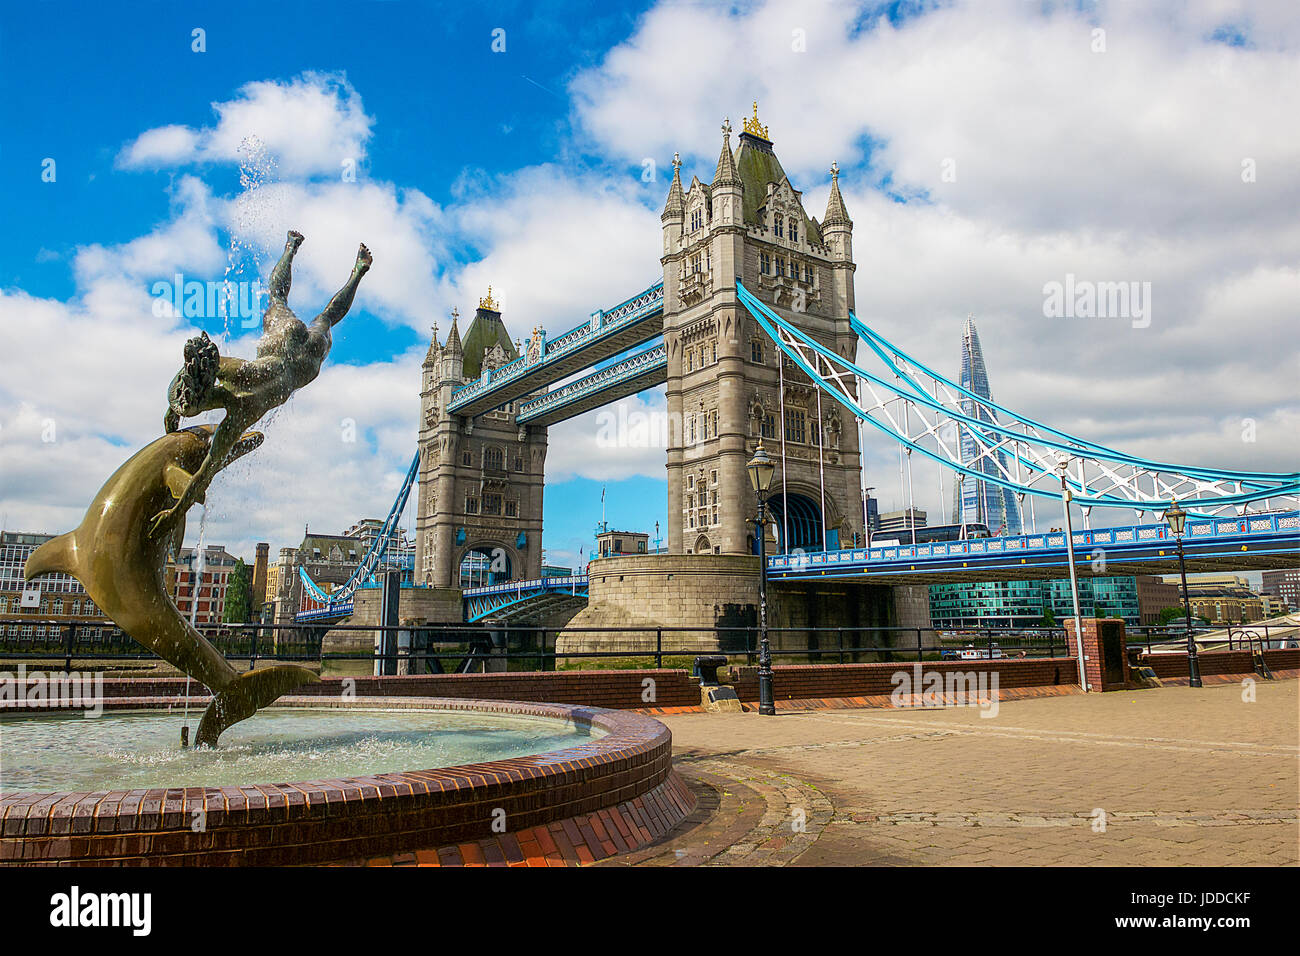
(753, 330)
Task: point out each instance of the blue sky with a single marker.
(526, 169)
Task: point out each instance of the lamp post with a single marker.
(1062, 465)
(1177, 519)
(761, 468)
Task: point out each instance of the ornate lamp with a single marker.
(1177, 519)
(761, 468)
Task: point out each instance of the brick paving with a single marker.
(1168, 776)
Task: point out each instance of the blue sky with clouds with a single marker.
(524, 169)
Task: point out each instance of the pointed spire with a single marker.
(675, 208)
(836, 214)
(726, 174)
(453, 337)
(433, 346)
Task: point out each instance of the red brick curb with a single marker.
(575, 841)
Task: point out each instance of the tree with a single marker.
(1175, 615)
(1048, 619)
(239, 590)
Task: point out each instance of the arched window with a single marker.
(794, 231)
(778, 226)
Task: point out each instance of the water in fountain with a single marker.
(200, 559)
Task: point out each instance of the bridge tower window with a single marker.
(768, 429)
(467, 459)
(493, 458)
(492, 504)
(697, 219)
(764, 263)
(471, 506)
(794, 231)
(795, 422)
(512, 509)
(756, 351)
(778, 226)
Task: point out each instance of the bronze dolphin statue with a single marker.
(121, 565)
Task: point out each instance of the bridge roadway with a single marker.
(605, 335)
(633, 374)
(1252, 542)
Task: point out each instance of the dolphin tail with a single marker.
(56, 555)
(248, 693)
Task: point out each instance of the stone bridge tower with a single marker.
(724, 381)
(480, 478)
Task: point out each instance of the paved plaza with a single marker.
(1191, 777)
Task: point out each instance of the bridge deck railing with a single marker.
(1283, 523)
(429, 649)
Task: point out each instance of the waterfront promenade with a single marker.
(1182, 776)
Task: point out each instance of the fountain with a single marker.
(112, 791)
(119, 551)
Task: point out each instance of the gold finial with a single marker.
(488, 302)
(753, 127)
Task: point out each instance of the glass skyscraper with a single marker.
(976, 501)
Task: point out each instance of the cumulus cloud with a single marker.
(311, 125)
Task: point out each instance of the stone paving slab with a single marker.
(1169, 776)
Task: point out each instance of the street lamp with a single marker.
(761, 468)
(1177, 519)
(1062, 465)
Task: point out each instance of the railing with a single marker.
(640, 306)
(425, 649)
(1284, 523)
(630, 368)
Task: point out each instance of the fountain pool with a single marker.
(125, 750)
(320, 779)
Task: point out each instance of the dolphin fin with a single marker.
(247, 694)
(177, 479)
(56, 555)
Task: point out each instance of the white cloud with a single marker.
(310, 125)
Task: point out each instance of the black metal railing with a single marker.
(467, 647)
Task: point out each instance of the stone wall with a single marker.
(705, 595)
(416, 605)
(700, 591)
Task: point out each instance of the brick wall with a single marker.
(616, 689)
(804, 681)
(1222, 662)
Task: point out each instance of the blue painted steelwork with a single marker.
(507, 600)
(365, 569)
(631, 369)
(1256, 534)
(1102, 477)
(640, 307)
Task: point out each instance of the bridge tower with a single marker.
(723, 379)
(480, 478)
